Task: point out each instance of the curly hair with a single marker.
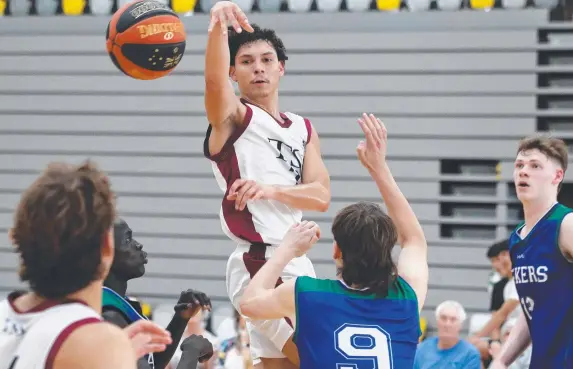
(59, 227)
(366, 236)
(236, 40)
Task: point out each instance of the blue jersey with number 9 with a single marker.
(338, 327)
(544, 282)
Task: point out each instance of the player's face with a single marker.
(448, 323)
(502, 264)
(257, 70)
(536, 176)
(130, 259)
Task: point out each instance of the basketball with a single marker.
(145, 39)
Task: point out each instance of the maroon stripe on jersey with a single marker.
(308, 129)
(57, 345)
(240, 223)
(221, 155)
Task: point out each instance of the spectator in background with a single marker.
(498, 254)
(522, 362)
(234, 352)
(447, 350)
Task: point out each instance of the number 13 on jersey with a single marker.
(364, 346)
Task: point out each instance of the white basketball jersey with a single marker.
(269, 152)
(31, 340)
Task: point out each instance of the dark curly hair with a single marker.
(59, 227)
(366, 236)
(236, 40)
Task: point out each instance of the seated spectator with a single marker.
(522, 362)
(498, 254)
(447, 350)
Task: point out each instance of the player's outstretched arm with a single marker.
(413, 261)
(114, 349)
(221, 104)
(261, 300)
(518, 340)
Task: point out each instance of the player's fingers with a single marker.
(155, 347)
(382, 128)
(376, 127)
(259, 195)
(367, 118)
(235, 186)
(232, 18)
(213, 22)
(223, 21)
(366, 130)
(243, 20)
(247, 195)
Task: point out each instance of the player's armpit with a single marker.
(413, 267)
(273, 303)
(96, 346)
(566, 237)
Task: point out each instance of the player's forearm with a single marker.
(516, 343)
(311, 196)
(406, 222)
(256, 296)
(176, 327)
(217, 59)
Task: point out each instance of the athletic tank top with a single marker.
(269, 152)
(113, 301)
(359, 330)
(544, 281)
(31, 340)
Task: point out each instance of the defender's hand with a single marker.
(190, 302)
(300, 238)
(229, 14)
(372, 153)
(244, 190)
(198, 344)
(147, 337)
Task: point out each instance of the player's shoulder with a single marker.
(310, 284)
(78, 346)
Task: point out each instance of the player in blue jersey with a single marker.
(369, 316)
(541, 252)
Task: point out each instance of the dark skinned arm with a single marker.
(194, 349)
(176, 327)
(117, 318)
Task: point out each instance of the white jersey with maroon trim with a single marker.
(269, 152)
(31, 340)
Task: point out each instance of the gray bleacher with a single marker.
(456, 91)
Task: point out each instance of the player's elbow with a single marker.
(323, 202)
(248, 308)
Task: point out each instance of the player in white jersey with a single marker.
(267, 163)
(64, 236)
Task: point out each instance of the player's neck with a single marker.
(90, 295)
(116, 283)
(447, 343)
(268, 103)
(533, 211)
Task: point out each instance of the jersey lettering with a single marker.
(528, 304)
(13, 363)
(294, 157)
(530, 274)
(365, 346)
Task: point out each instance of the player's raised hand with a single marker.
(199, 345)
(190, 302)
(300, 237)
(229, 14)
(372, 152)
(147, 337)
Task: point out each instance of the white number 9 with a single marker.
(360, 343)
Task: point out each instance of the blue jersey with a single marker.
(544, 281)
(342, 328)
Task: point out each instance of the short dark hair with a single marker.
(366, 236)
(236, 40)
(497, 248)
(59, 227)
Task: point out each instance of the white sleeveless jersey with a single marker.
(31, 340)
(269, 152)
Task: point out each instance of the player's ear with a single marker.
(560, 173)
(108, 247)
(232, 73)
(336, 254)
(282, 68)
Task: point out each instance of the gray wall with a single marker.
(453, 89)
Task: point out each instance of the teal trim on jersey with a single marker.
(112, 299)
(399, 290)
